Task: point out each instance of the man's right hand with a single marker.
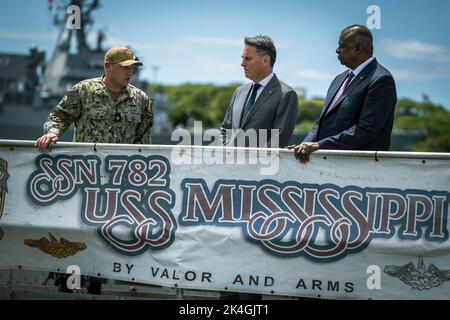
(303, 150)
(43, 142)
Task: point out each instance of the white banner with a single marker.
(354, 225)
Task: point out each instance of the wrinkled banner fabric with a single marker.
(348, 225)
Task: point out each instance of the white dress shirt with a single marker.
(263, 84)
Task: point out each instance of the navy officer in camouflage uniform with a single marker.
(106, 109)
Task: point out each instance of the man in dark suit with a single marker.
(264, 111)
(358, 113)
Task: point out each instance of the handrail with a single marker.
(377, 155)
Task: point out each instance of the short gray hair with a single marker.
(264, 46)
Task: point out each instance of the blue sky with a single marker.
(201, 41)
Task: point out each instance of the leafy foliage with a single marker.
(308, 113)
(189, 102)
(432, 121)
(208, 103)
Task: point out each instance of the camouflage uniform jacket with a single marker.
(99, 119)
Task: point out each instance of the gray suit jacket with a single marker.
(275, 108)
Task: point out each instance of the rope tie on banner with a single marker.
(95, 147)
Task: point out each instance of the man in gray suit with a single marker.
(262, 113)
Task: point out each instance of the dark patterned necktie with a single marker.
(250, 102)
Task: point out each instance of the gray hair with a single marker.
(264, 46)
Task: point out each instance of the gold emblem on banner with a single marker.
(57, 248)
(3, 188)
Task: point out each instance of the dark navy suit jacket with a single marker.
(363, 116)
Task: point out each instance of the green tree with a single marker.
(308, 113)
(189, 102)
(208, 103)
(432, 121)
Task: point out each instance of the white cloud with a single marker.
(210, 63)
(415, 50)
(16, 35)
(414, 74)
(110, 42)
(234, 42)
(231, 42)
(311, 74)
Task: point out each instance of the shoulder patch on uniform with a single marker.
(150, 106)
(72, 96)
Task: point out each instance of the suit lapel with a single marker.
(268, 90)
(238, 105)
(333, 91)
(358, 79)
